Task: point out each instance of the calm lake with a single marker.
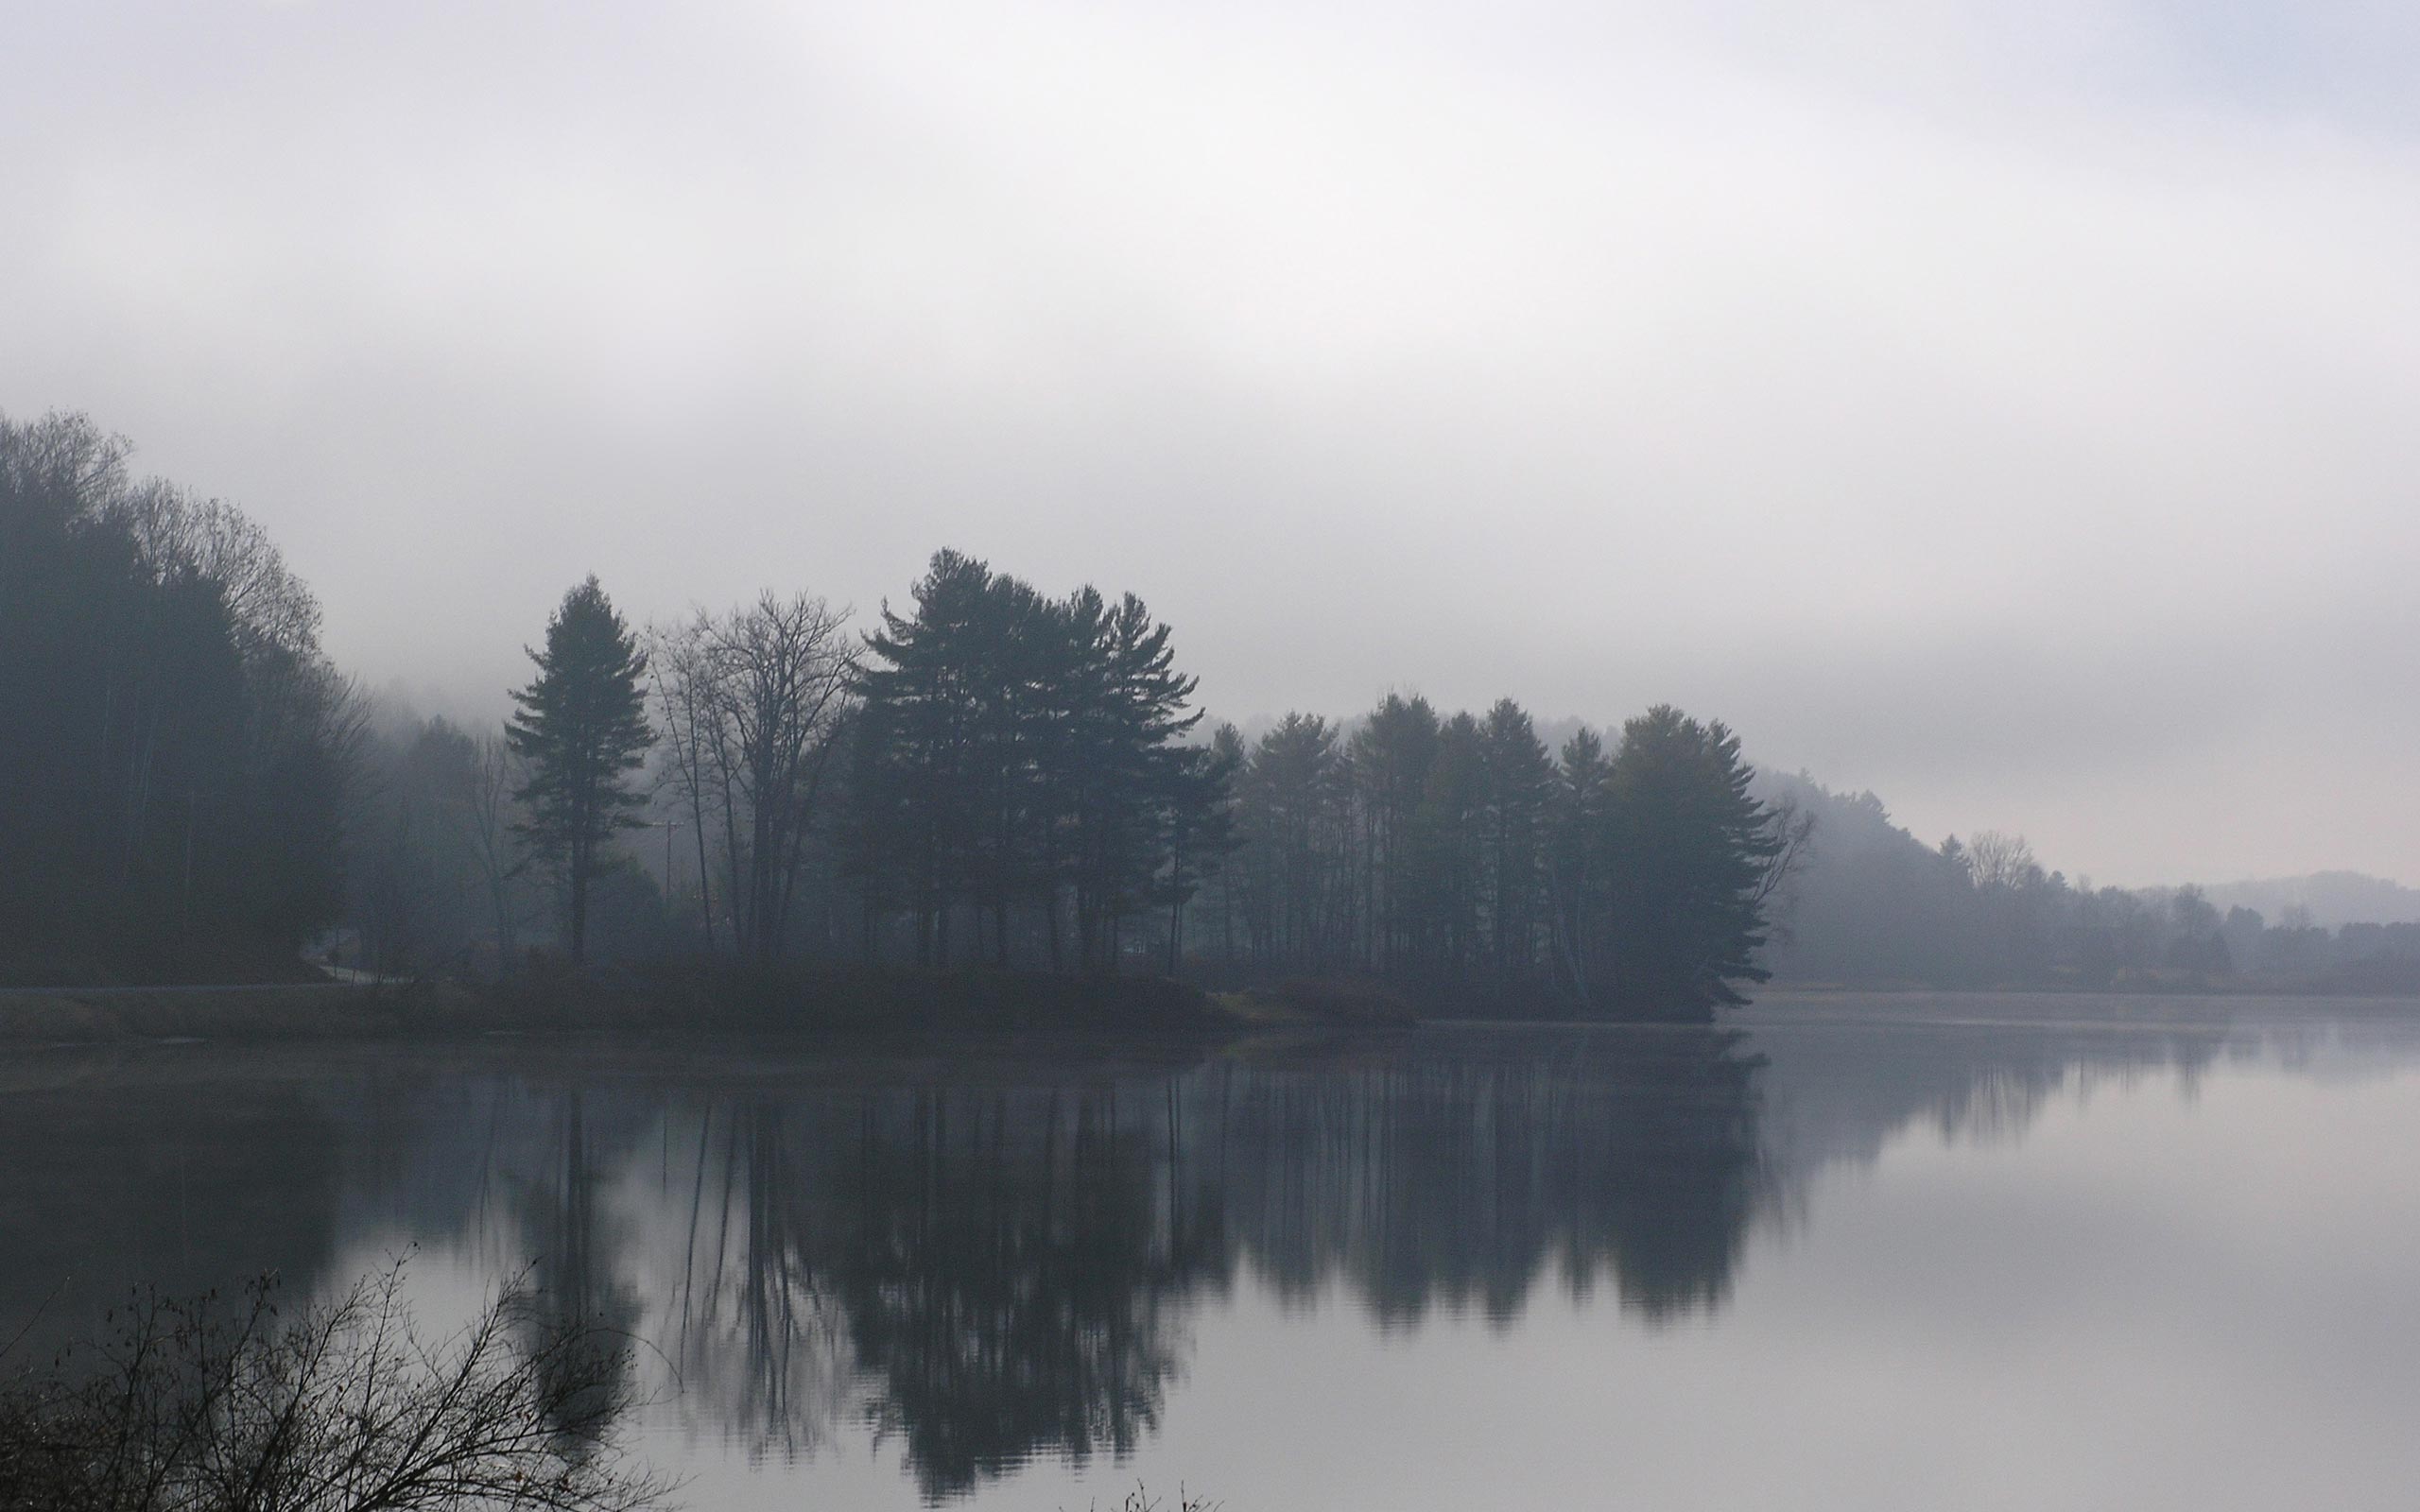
(1878, 1253)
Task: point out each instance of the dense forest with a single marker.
(176, 752)
(985, 776)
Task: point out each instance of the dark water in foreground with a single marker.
(1878, 1254)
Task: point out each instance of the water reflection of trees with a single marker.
(990, 1272)
(988, 1261)
(1458, 1172)
(987, 1270)
(576, 1284)
(997, 1270)
(751, 1327)
(1844, 1085)
(1007, 1268)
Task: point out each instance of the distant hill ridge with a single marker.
(2335, 898)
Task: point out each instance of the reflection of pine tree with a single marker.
(578, 1291)
(1007, 1276)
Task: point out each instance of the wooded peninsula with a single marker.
(989, 779)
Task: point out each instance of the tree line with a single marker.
(995, 776)
(1462, 859)
(988, 774)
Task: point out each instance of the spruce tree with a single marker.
(583, 728)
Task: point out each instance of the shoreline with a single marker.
(854, 1006)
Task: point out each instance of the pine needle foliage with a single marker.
(581, 727)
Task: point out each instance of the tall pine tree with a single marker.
(582, 729)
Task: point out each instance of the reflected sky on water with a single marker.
(1857, 1252)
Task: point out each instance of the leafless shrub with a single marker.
(197, 1405)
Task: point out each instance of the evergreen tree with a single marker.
(1450, 854)
(1200, 829)
(1227, 749)
(1391, 755)
(1296, 821)
(581, 727)
(1580, 861)
(1023, 760)
(1693, 848)
(1520, 787)
(1140, 772)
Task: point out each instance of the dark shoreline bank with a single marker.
(856, 1005)
(848, 1004)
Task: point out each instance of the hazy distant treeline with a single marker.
(1874, 904)
(174, 748)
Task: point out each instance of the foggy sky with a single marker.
(2011, 408)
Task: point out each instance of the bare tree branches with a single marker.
(496, 774)
(752, 703)
(1999, 862)
(213, 539)
(1791, 827)
(346, 1407)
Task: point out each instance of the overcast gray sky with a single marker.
(2009, 407)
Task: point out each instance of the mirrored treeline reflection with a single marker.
(1456, 1170)
(999, 1254)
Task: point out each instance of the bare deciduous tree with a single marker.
(1999, 862)
(213, 539)
(495, 774)
(1793, 828)
(752, 703)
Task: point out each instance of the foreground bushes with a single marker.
(195, 1405)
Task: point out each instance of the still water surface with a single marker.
(1871, 1253)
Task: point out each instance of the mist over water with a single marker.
(1954, 1251)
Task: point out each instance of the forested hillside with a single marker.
(174, 751)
